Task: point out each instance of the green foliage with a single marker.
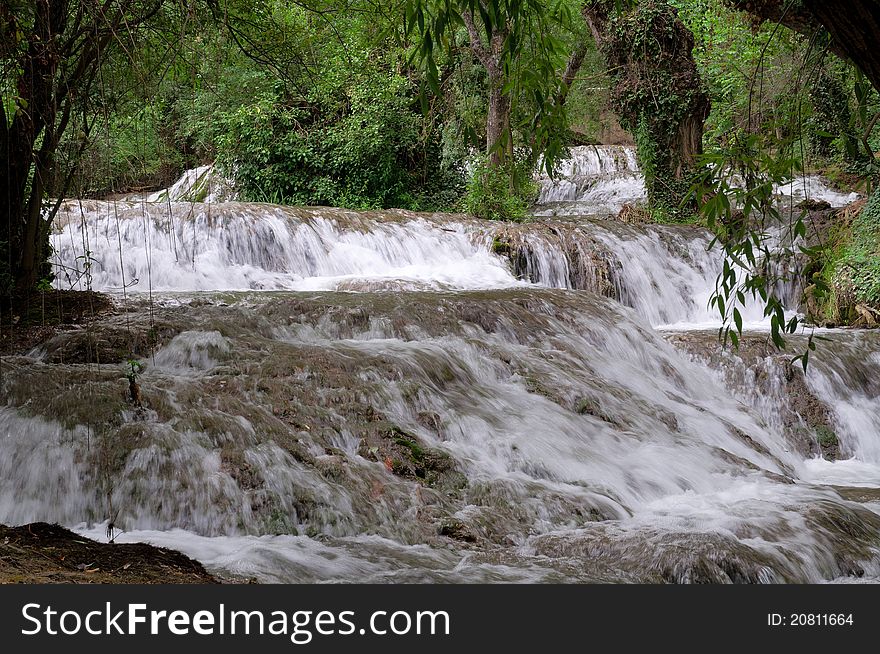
(588, 98)
(844, 274)
(44, 285)
(826, 437)
(831, 114)
(361, 145)
(857, 271)
(737, 188)
(659, 97)
(861, 143)
(133, 370)
(130, 153)
(764, 78)
(535, 44)
(752, 72)
(334, 121)
(296, 106)
(501, 193)
(667, 196)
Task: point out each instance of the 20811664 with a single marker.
(810, 620)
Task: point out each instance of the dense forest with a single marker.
(551, 289)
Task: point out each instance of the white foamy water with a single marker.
(202, 184)
(476, 412)
(667, 274)
(848, 472)
(236, 246)
(574, 428)
(816, 188)
(850, 384)
(299, 559)
(595, 181)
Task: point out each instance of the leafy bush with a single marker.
(501, 192)
(857, 272)
(361, 146)
(826, 437)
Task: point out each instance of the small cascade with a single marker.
(815, 188)
(596, 181)
(202, 184)
(236, 246)
(666, 273)
(832, 412)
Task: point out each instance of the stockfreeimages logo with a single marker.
(299, 626)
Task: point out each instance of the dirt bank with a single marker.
(41, 553)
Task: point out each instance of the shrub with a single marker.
(362, 147)
(501, 192)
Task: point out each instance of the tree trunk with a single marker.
(498, 118)
(597, 14)
(497, 122)
(36, 89)
(670, 140)
(688, 142)
(66, 43)
(854, 26)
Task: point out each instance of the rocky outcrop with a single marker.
(768, 380)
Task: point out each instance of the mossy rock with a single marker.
(828, 442)
(501, 246)
(406, 456)
(457, 530)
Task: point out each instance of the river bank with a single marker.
(40, 553)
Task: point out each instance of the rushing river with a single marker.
(330, 395)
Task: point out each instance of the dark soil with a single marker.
(28, 320)
(41, 553)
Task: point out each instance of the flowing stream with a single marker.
(329, 395)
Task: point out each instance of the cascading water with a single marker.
(235, 246)
(595, 181)
(477, 411)
(202, 184)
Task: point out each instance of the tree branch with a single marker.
(867, 135)
(477, 47)
(575, 61)
(853, 28)
(597, 14)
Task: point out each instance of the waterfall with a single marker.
(202, 184)
(236, 246)
(392, 396)
(594, 181)
(666, 273)
(839, 394)
(597, 181)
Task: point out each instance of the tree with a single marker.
(752, 263)
(52, 52)
(852, 27)
(516, 42)
(658, 94)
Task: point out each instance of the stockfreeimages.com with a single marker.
(300, 626)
